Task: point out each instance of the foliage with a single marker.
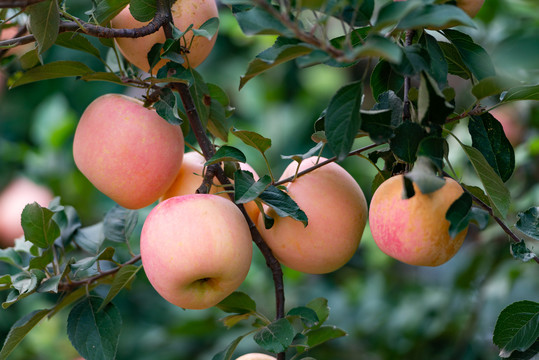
(409, 99)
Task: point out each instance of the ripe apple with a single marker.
(256, 356)
(337, 212)
(509, 116)
(470, 7)
(127, 151)
(415, 230)
(189, 179)
(196, 249)
(13, 199)
(184, 13)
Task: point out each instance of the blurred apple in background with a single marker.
(13, 199)
(508, 115)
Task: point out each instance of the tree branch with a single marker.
(406, 111)
(7, 4)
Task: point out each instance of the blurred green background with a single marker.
(390, 310)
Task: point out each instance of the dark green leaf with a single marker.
(19, 330)
(54, 70)
(320, 307)
(255, 21)
(458, 214)
(391, 13)
(218, 122)
(517, 327)
(78, 42)
(343, 119)
(283, 204)
(307, 315)
(528, 222)
(433, 109)
(275, 337)
(208, 29)
(119, 224)
(435, 16)
(521, 252)
(94, 334)
(489, 138)
(86, 263)
(525, 92)
(69, 222)
(492, 86)
(10, 256)
(226, 153)
(167, 108)
(39, 227)
(44, 19)
(322, 334)
(389, 100)
(416, 59)
(227, 353)
(237, 302)
(90, 238)
(438, 65)
(253, 139)
(283, 50)
(406, 142)
(455, 64)
(377, 123)
(41, 261)
(245, 187)
(473, 55)
(107, 9)
(123, 279)
(424, 176)
(378, 46)
(102, 76)
(300, 157)
(142, 10)
(435, 148)
(384, 78)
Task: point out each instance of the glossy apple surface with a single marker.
(189, 179)
(415, 230)
(127, 151)
(337, 211)
(184, 13)
(196, 249)
(13, 199)
(256, 356)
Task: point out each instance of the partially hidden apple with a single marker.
(184, 13)
(508, 115)
(189, 179)
(415, 230)
(13, 199)
(127, 151)
(196, 249)
(256, 356)
(337, 212)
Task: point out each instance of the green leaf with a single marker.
(38, 225)
(123, 279)
(377, 123)
(491, 86)
(521, 252)
(283, 204)
(438, 68)
(283, 50)
(433, 109)
(320, 307)
(435, 148)
(143, 10)
(378, 46)
(300, 157)
(528, 222)
(389, 100)
(307, 315)
(253, 139)
(457, 214)
(416, 59)
(237, 302)
(103, 76)
(391, 13)
(20, 329)
(497, 192)
(517, 327)
(424, 176)
(435, 16)
(245, 187)
(94, 334)
(322, 334)
(232, 320)
(525, 92)
(343, 119)
(90, 238)
(275, 337)
(384, 78)
(227, 353)
(107, 9)
(10, 256)
(75, 41)
(119, 224)
(489, 138)
(167, 107)
(54, 70)
(87, 262)
(208, 29)
(455, 64)
(226, 153)
(256, 21)
(406, 142)
(44, 19)
(473, 55)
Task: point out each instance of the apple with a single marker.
(337, 212)
(196, 249)
(189, 179)
(19, 192)
(415, 230)
(509, 116)
(127, 151)
(470, 7)
(256, 356)
(184, 13)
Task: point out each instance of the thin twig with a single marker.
(406, 111)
